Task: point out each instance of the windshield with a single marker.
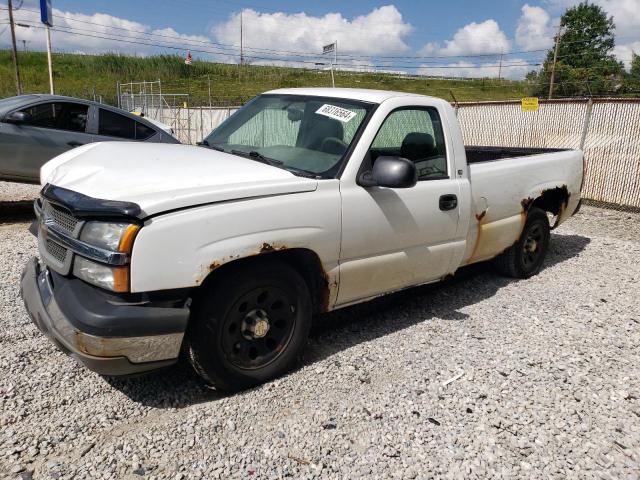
(304, 134)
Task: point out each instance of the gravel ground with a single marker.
(12, 192)
(481, 377)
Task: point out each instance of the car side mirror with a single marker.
(17, 117)
(390, 172)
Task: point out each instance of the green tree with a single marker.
(585, 63)
(635, 67)
(631, 84)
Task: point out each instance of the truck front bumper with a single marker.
(107, 335)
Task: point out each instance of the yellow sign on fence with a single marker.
(530, 104)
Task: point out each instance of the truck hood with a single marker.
(160, 177)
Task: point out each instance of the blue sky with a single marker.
(433, 19)
(452, 38)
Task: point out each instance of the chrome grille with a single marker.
(61, 217)
(56, 251)
(57, 224)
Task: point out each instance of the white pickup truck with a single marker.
(302, 202)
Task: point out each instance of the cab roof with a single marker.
(362, 94)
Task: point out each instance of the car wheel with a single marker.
(526, 256)
(249, 326)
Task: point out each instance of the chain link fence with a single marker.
(608, 130)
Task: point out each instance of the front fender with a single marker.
(180, 249)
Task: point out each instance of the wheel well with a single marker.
(553, 200)
(306, 262)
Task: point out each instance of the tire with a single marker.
(250, 326)
(525, 258)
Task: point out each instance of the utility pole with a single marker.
(48, 31)
(500, 68)
(241, 51)
(553, 67)
(15, 50)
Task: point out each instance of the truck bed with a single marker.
(501, 191)
(477, 154)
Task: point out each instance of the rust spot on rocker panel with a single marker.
(330, 291)
(480, 216)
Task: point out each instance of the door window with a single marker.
(59, 115)
(415, 134)
(113, 124)
(143, 132)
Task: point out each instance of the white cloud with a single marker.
(474, 38)
(512, 69)
(382, 31)
(484, 38)
(534, 30)
(626, 51)
(91, 30)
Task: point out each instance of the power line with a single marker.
(108, 36)
(272, 58)
(293, 52)
(74, 31)
(71, 31)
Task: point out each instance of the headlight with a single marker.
(117, 237)
(112, 236)
(104, 276)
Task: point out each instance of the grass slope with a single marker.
(80, 75)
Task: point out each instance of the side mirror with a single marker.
(17, 117)
(391, 172)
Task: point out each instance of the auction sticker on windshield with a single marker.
(337, 113)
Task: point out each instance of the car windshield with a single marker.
(307, 135)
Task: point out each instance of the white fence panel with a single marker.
(611, 148)
(612, 142)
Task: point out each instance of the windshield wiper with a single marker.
(258, 157)
(301, 173)
(205, 143)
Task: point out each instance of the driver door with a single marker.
(397, 237)
(51, 129)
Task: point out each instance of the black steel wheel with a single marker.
(258, 327)
(250, 325)
(525, 258)
(532, 250)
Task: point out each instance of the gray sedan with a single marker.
(36, 128)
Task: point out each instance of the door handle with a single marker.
(448, 202)
(74, 144)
